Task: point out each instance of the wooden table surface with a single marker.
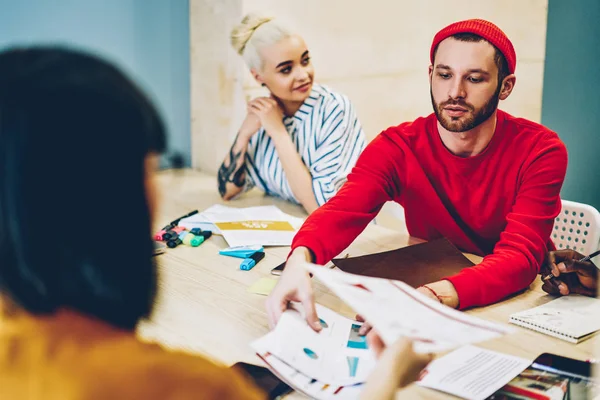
(204, 306)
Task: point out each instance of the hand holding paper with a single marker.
(294, 285)
(397, 366)
(379, 301)
(329, 362)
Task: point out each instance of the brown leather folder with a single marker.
(415, 265)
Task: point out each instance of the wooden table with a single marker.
(204, 307)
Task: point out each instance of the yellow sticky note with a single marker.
(263, 286)
(255, 225)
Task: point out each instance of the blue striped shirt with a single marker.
(327, 135)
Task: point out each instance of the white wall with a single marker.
(376, 52)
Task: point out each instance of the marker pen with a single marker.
(176, 221)
(172, 224)
(251, 261)
(173, 233)
(205, 234)
(174, 242)
(159, 234)
(168, 235)
(191, 239)
(167, 227)
(241, 251)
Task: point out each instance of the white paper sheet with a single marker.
(336, 354)
(199, 221)
(219, 214)
(472, 373)
(301, 382)
(398, 310)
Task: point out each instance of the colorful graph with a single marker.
(310, 353)
(352, 365)
(356, 341)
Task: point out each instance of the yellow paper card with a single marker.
(263, 286)
(255, 225)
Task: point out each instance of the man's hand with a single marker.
(569, 274)
(294, 285)
(441, 291)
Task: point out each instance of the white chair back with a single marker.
(577, 227)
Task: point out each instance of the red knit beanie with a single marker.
(486, 30)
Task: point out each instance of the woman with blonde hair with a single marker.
(299, 143)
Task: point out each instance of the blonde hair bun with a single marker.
(241, 33)
(254, 33)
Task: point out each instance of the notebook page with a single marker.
(572, 315)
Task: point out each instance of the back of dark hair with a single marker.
(499, 58)
(74, 218)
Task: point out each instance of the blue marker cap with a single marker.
(241, 251)
(251, 261)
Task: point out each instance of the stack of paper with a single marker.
(331, 364)
(265, 225)
(336, 361)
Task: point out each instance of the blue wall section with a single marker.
(571, 100)
(149, 39)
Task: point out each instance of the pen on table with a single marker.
(251, 261)
(584, 259)
(176, 221)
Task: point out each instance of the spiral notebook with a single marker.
(573, 318)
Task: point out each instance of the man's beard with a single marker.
(474, 117)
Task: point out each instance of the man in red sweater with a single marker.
(487, 181)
